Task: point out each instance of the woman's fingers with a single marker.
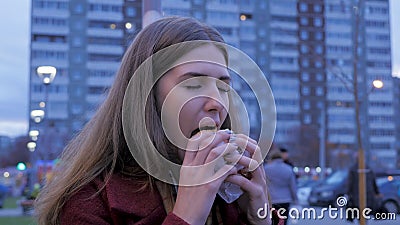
(243, 160)
(199, 146)
(246, 185)
(208, 144)
(222, 151)
(250, 145)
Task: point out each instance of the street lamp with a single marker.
(37, 115)
(377, 84)
(47, 74)
(34, 134)
(31, 146)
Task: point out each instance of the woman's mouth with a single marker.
(203, 128)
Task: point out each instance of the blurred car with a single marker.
(390, 190)
(304, 188)
(326, 192)
(3, 194)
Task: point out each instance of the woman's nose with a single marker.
(215, 100)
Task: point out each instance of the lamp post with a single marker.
(37, 115)
(34, 134)
(47, 74)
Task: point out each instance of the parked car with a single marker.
(326, 192)
(390, 190)
(304, 188)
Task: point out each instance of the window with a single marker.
(317, 22)
(380, 145)
(318, 49)
(76, 75)
(77, 91)
(101, 73)
(306, 105)
(130, 11)
(198, 15)
(304, 35)
(104, 57)
(263, 47)
(304, 21)
(262, 32)
(305, 63)
(319, 77)
(318, 35)
(50, 21)
(77, 58)
(45, 4)
(378, 24)
(318, 64)
(307, 118)
(304, 49)
(49, 38)
(262, 60)
(305, 76)
(105, 8)
(381, 51)
(77, 25)
(76, 41)
(305, 90)
(317, 8)
(225, 30)
(105, 41)
(77, 125)
(78, 8)
(303, 7)
(57, 55)
(76, 109)
(319, 91)
(96, 90)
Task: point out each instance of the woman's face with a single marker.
(194, 95)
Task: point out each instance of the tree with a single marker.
(17, 153)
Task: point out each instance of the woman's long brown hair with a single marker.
(100, 148)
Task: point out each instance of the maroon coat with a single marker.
(120, 203)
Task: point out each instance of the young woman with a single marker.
(102, 180)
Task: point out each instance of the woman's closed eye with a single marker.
(193, 87)
(224, 87)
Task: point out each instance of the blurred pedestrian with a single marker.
(285, 156)
(373, 195)
(281, 182)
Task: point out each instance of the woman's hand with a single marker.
(254, 184)
(202, 173)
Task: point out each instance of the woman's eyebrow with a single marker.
(196, 74)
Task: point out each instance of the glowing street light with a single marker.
(37, 115)
(128, 26)
(34, 134)
(46, 73)
(377, 84)
(31, 146)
